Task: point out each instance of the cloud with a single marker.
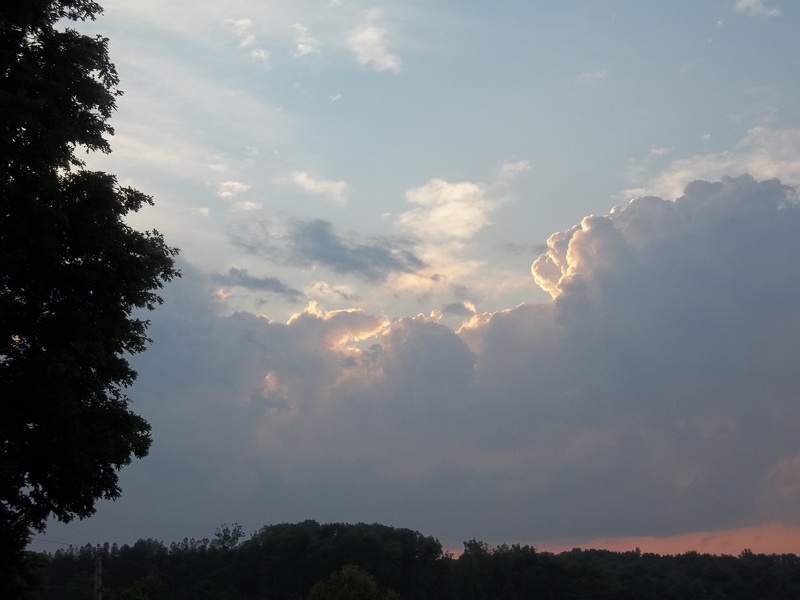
(228, 189)
(753, 8)
(459, 309)
(325, 291)
(259, 54)
(335, 191)
(304, 43)
(315, 243)
(593, 75)
(764, 153)
(246, 206)
(654, 395)
(236, 277)
(659, 151)
(445, 220)
(446, 210)
(371, 48)
(511, 170)
(243, 29)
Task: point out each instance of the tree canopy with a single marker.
(73, 275)
(339, 560)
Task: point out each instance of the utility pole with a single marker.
(98, 577)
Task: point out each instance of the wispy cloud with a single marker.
(763, 152)
(513, 169)
(593, 75)
(756, 8)
(333, 293)
(243, 29)
(259, 54)
(659, 151)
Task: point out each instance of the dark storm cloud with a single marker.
(241, 278)
(315, 243)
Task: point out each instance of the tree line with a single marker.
(378, 562)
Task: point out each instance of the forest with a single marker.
(373, 561)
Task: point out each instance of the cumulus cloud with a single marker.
(335, 191)
(446, 210)
(370, 45)
(754, 8)
(443, 222)
(228, 189)
(655, 394)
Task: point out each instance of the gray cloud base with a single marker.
(315, 243)
(656, 394)
(236, 277)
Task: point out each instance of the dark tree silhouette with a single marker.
(351, 583)
(73, 275)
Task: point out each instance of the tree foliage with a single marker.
(351, 583)
(73, 275)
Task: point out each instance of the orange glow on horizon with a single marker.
(769, 538)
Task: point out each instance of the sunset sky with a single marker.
(521, 271)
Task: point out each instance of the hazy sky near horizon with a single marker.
(515, 271)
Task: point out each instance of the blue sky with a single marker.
(360, 189)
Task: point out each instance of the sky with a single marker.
(525, 272)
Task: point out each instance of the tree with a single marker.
(73, 276)
(351, 583)
(227, 537)
(149, 588)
